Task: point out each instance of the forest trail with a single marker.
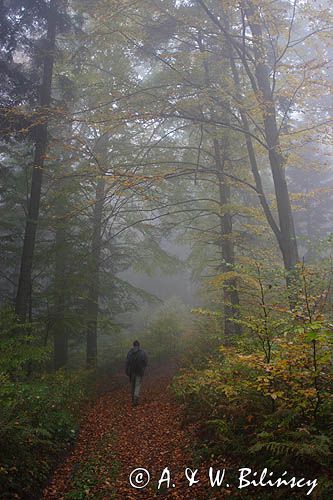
(116, 438)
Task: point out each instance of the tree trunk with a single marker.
(93, 294)
(60, 334)
(288, 242)
(24, 283)
(230, 292)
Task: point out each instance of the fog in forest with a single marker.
(166, 176)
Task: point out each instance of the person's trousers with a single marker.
(136, 385)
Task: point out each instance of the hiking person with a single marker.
(136, 363)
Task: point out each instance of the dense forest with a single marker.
(166, 175)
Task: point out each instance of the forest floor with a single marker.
(115, 438)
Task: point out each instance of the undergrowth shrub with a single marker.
(268, 402)
(252, 412)
(38, 422)
(39, 411)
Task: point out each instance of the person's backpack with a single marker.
(137, 362)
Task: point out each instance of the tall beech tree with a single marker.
(259, 78)
(259, 43)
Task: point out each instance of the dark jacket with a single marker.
(139, 369)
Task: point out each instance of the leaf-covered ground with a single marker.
(116, 438)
